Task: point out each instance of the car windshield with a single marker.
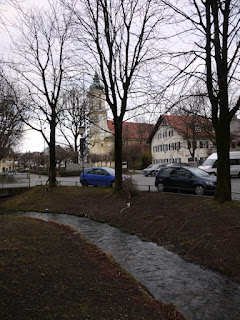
(209, 162)
(110, 170)
(198, 172)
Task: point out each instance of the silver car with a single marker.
(152, 169)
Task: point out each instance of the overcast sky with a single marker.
(33, 140)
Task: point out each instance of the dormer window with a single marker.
(198, 129)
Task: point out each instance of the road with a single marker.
(147, 183)
(143, 183)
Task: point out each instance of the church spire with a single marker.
(96, 83)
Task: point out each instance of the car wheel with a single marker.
(199, 190)
(160, 187)
(112, 184)
(84, 183)
(213, 174)
(152, 174)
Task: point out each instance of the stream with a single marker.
(198, 293)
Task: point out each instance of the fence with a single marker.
(27, 180)
(9, 180)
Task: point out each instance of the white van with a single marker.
(210, 164)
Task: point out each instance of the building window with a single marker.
(164, 134)
(165, 147)
(178, 146)
(198, 129)
(170, 133)
(203, 144)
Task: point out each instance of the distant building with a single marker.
(133, 132)
(235, 134)
(181, 139)
(100, 141)
(6, 164)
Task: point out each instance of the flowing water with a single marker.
(199, 294)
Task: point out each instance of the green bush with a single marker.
(138, 165)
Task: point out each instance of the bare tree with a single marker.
(195, 124)
(73, 116)
(121, 37)
(11, 125)
(42, 63)
(214, 28)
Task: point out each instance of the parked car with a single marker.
(98, 176)
(185, 178)
(150, 170)
(160, 166)
(147, 168)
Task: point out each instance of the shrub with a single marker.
(129, 187)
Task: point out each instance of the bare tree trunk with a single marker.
(216, 25)
(52, 153)
(223, 189)
(118, 155)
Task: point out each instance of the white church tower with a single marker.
(100, 139)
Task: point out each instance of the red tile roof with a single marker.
(133, 130)
(182, 123)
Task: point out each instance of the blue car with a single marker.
(101, 176)
(185, 179)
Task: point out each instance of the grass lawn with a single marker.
(50, 272)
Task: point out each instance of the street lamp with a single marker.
(81, 131)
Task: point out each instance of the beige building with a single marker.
(174, 138)
(6, 165)
(101, 139)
